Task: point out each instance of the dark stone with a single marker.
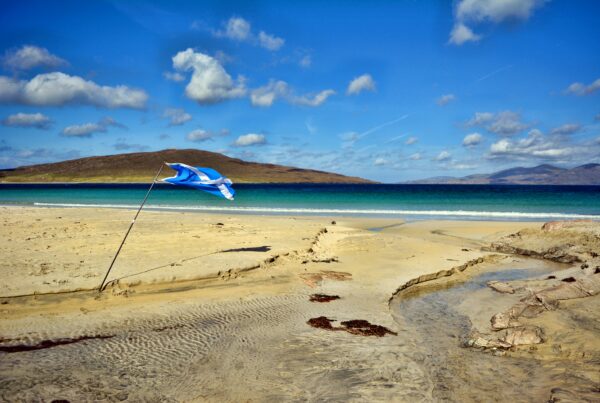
(321, 322)
(323, 298)
(569, 279)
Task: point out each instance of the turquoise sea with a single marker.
(477, 202)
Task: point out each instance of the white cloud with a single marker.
(87, 129)
(83, 130)
(199, 135)
(35, 120)
(174, 76)
(266, 95)
(176, 116)
(250, 139)
(472, 139)
(461, 33)
(415, 156)
(28, 57)
(565, 129)
(311, 100)
(480, 118)
(270, 42)
(582, 89)
(210, 82)
(443, 156)
(445, 99)
(411, 140)
(239, 29)
(380, 161)
(236, 28)
(494, 11)
(58, 89)
(535, 146)
(360, 84)
(505, 123)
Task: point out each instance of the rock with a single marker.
(556, 225)
(503, 320)
(525, 335)
(501, 287)
(483, 341)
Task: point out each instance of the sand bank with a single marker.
(215, 307)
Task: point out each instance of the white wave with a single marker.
(297, 210)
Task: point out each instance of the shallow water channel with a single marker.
(440, 314)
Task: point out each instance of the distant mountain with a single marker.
(141, 167)
(545, 174)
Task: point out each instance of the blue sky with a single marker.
(387, 90)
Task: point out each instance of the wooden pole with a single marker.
(129, 229)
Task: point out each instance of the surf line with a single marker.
(441, 213)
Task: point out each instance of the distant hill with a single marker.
(545, 174)
(141, 167)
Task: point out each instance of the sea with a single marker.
(407, 201)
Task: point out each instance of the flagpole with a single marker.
(129, 229)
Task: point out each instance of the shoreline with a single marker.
(194, 306)
(420, 215)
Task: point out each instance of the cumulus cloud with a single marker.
(58, 89)
(266, 95)
(250, 139)
(443, 156)
(445, 99)
(461, 33)
(29, 56)
(505, 123)
(269, 41)
(415, 156)
(471, 140)
(34, 120)
(239, 29)
(199, 135)
(88, 129)
(210, 82)
(380, 161)
(312, 100)
(480, 118)
(581, 89)
(493, 11)
(83, 130)
(536, 146)
(411, 140)
(360, 84)
(566, 129)
(236, 28)
(176, 116)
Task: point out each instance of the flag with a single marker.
(205, 179)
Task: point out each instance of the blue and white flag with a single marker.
(206, 179)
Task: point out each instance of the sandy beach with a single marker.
(214, 307)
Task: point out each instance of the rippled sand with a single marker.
(233, 326)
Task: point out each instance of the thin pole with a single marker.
(129, 229)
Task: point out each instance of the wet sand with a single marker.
(211, 307)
